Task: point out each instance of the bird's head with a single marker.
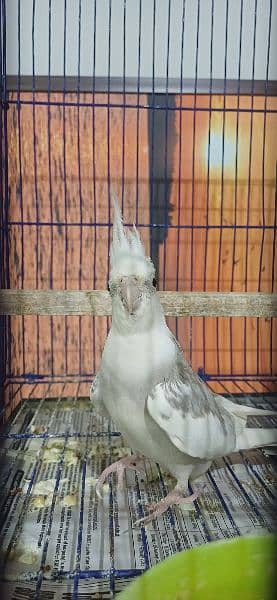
(132, 282)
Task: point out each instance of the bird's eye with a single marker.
(154, 282)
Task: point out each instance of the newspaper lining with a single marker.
(48, 487)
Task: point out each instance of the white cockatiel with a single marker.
(162, 408)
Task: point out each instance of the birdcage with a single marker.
(171, 105)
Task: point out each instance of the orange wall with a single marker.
(231, 260)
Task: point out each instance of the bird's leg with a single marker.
(118, 467)
(176, 496)
(199, 469)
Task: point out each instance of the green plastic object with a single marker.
(238, 569)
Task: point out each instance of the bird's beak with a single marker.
(130, 295)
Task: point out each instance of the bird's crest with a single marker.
(124, 241)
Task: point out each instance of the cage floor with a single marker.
(60, 541)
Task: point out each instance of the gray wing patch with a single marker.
(188, 393)
(185, 408)
(205, 436)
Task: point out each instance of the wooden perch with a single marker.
(176, 304)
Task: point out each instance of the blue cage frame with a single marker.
(160, 107)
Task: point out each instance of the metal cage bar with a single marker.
(56, 192)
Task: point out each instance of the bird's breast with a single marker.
(131, 366)
(137, 362)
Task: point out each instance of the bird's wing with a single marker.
(96, 396)
(206, 436)
(187, 411)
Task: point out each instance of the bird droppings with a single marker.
(99, 449)
(51, 455)
(102, 449)
(55, 444)
(23, 554)
(91, 480)
(36, 429)
(68, 500)
(43, 487)
(28, 558)
(73, 444)
(121, 452)
(55, 451)
(71, 457)
(41, 501)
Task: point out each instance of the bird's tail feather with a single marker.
(252, 411)
(256, 438)
(244, 411)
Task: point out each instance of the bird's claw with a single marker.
(174, 497)
(119, 467)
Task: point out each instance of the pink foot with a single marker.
(119, 467)
(174, 497)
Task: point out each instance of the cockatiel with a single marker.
(163, 409)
